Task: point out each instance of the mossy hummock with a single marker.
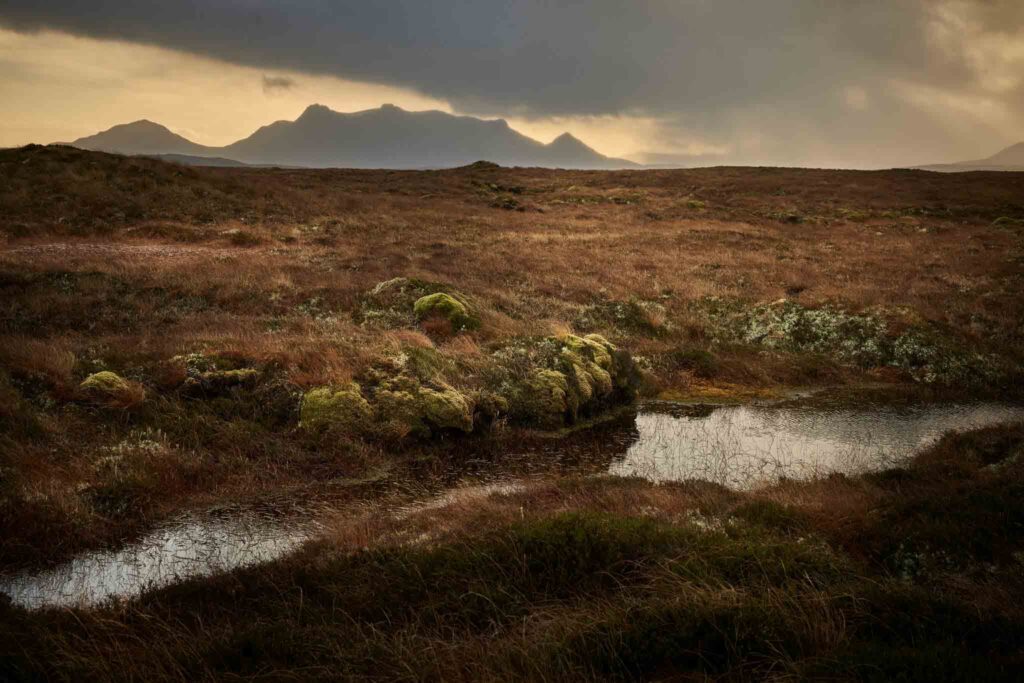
(104, 383)
(397, 407)
(343, 409)
(553, 381)
(406, 302)
(109, 388)
(441, 305)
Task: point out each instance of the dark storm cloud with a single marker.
(551, 58)
(272, 83)
(688, 61)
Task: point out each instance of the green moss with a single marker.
(406, 407)
(425, 363)
(446, 409)
(105, 383)
(398, 413)
(611, 369)
(541, 398)
(397, 303)
(445, 306)
(343, 409)
(110, 389)
(552, 381)
(592, 347)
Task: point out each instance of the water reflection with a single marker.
(192, 547)
(737, 446)
(743, 446)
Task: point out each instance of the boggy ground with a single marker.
(915, 573)
(174, 337)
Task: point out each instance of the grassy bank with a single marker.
(175, 337)
(908, 574)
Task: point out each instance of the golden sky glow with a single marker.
(58, 87)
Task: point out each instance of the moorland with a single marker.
(176, 338)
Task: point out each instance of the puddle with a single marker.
(737, 446)
(192, 547)
(744, 446)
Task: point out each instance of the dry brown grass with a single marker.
(52, 361)
(110, 262)
(916, 239)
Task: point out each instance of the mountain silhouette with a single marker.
(142, 138)
(1009, 159)
(1011, 156)
(386, 137)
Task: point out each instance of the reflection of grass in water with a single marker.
(744, 447)
(192, 548)
(740, 453)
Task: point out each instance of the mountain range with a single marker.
(386, 137)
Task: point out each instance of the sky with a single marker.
(830, 83)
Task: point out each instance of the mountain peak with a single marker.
(143, 123)
(140, 137)
(141, 127)
(315, 110)
(568, 142)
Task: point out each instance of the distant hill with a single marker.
(142, 138)
(1009, 159)
(1011, 156)
(387, 137)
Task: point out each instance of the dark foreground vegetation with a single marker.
(908, 574)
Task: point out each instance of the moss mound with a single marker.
(395, 408)
(104, 383)
(445, 306)
(405, 302)
(545, 382)
(342, 409)
(111, 389)
(406, 406)
(553, 381)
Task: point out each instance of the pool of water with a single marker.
(190, 547)
(736, 446)
(745, 446)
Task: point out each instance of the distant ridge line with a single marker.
(385, 137)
